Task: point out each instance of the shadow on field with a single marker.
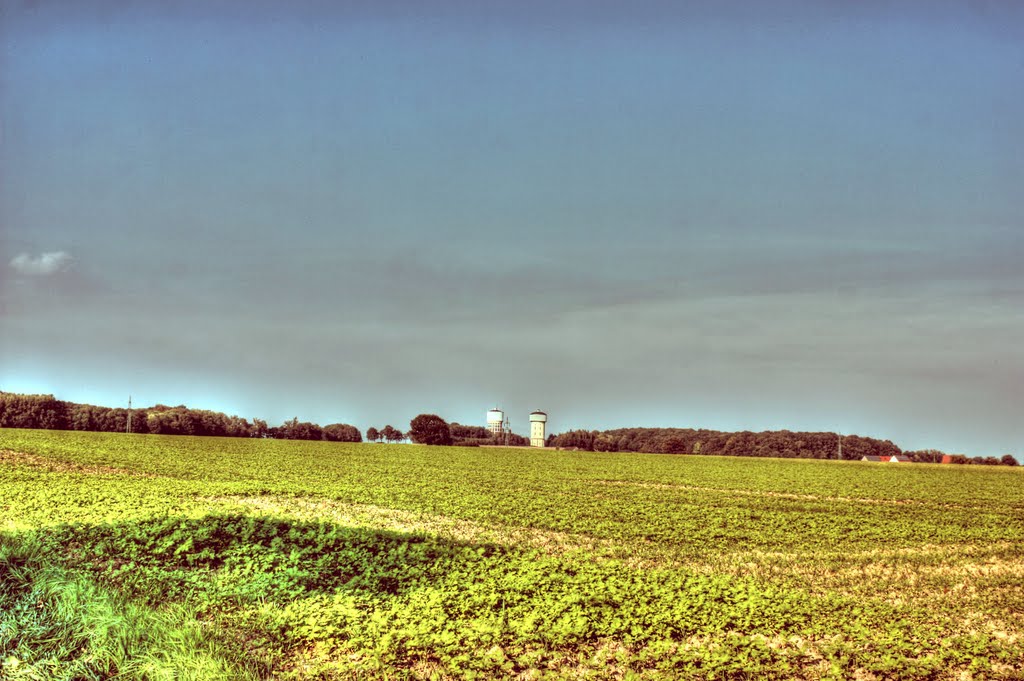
(249, 558)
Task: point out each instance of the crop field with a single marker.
(165, 557)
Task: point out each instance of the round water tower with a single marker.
(495, 419)
(538, 423)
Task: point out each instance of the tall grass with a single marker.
(55, 624)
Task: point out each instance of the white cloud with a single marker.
(44, 265)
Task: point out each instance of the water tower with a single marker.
(538, 422)
(495, 420)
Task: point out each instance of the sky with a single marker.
(802, 215)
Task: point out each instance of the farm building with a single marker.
(895, 458)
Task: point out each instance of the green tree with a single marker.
(461, 432)
(83, 417)
(429, 429)
(1008, 460)
(342, 432)
(372, 434)
(297, 430)
(674, 445)
(259, 428)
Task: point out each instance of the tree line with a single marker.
(44, 411)
(388, 434)
(777, 443)
(47, 412)
(936, 456)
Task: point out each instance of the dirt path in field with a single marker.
(12, 458)
(787, 495)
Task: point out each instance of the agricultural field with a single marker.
(166, 557)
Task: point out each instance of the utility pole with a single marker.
(839, 455)
(128, 426)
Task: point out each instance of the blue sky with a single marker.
(806, 215)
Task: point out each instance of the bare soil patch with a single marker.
(12, 458)
(784, 495)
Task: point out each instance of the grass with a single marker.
(58, 624)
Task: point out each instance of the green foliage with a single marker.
(476, 436)
(56, 624)
(342, 432)
(429, 429)
(303, 560)
(47, 413)
(780, 443)
(391, 434)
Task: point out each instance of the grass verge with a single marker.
(57, 624)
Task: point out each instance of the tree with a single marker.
(1008, 460)
(429, 429)
(297, 430)
(674, 445)
(341, 432)
(461, 432)
(155, 423)
(372, 434)
(515, 440)
(926, 456)
(391, 434)
(259, 428)
(576, 439)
